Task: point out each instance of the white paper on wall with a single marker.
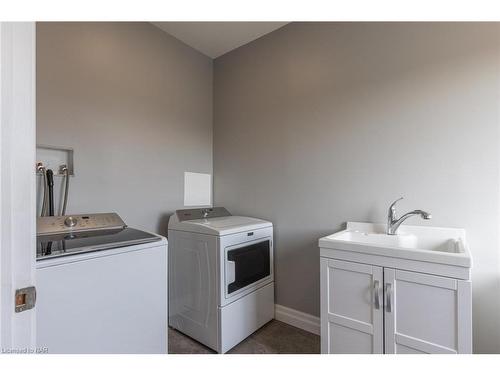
(197, 189)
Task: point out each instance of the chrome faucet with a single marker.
(393, 222)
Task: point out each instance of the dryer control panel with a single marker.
(202, 213)
(78, 223)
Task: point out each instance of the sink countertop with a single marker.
(419, 243)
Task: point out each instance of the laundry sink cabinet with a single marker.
(378, 302)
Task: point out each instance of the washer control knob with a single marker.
(70, 221)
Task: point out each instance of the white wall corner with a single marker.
(299, 319)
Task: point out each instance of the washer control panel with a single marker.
(77, 223)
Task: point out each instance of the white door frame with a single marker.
(17, 182)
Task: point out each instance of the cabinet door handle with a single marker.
(388, 296)
(376, 294)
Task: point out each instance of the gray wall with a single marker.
(136, 106)
(322, 123)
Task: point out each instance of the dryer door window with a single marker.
(247, 265)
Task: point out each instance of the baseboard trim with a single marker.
(299, 319)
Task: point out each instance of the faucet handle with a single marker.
(392, 207)
(396, 201)
(391, 215)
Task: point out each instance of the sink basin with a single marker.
(407, 241)
(432, 244)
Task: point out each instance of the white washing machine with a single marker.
(221, 278)
(101, 286)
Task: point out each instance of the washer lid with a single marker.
(218, 226)
(64, 244)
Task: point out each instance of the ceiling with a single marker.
(217, 38)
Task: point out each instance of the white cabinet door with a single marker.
(351, 307)
(426, 313)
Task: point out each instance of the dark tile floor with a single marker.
(274, 338)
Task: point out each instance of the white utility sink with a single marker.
(430, 244)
